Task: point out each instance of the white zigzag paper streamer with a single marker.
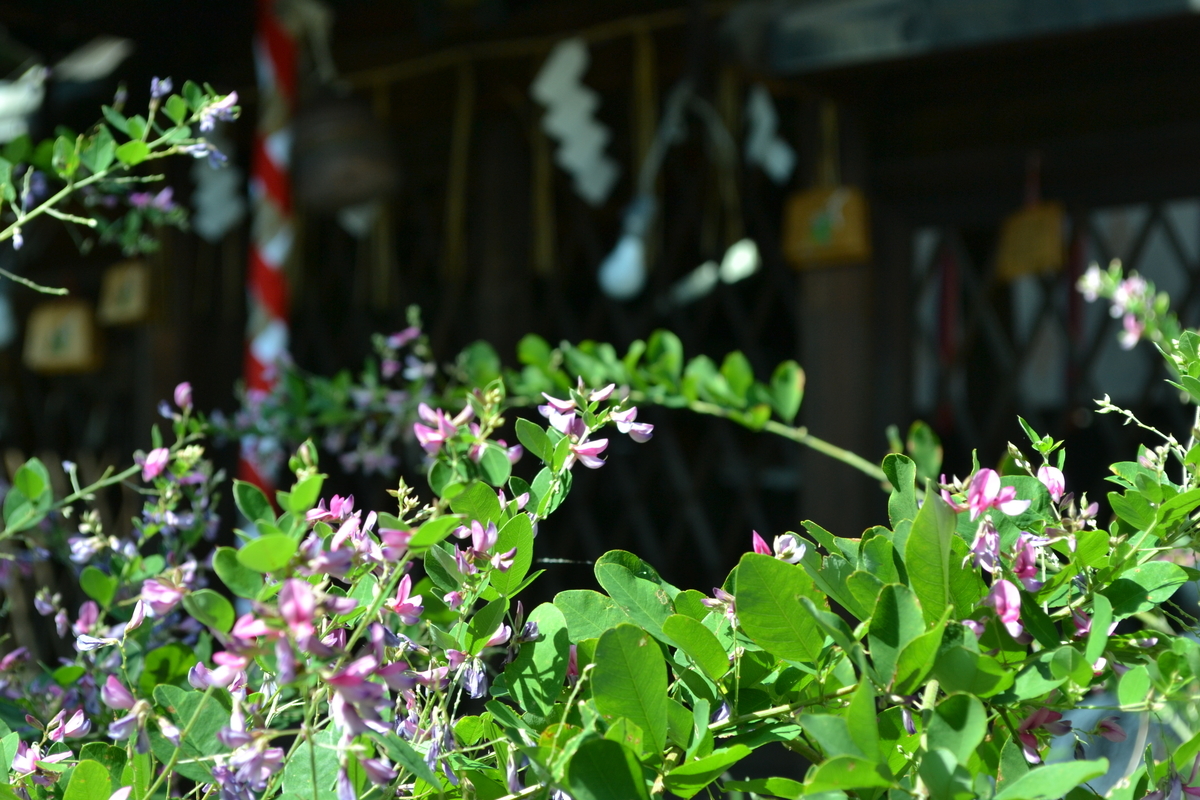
(569, 120)
(764, 146)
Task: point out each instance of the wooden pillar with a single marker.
(837, 332)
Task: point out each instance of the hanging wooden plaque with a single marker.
(826, 226)
(125, 294)
(1031, 241)
(61, 337)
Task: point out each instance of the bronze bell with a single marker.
(340, 155)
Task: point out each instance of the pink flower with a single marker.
(75, 727)
(139, 616)
(588, 454)
(502, 635)
(1109, 729)
(985, 548)
(407, 606)
(452, 600)
(1052, 478)
(985, 492)
(759, 544)
(89, 615)
(183, 396)
(1051, 721)
(1025, 563)
(638, 431)
(398, 340)
(156, 462)
(160, 596)
(431, 439)
(560, 413)
(115, 695)
(298, 607)
(1131, 332)
(1005, 598)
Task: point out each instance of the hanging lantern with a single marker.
(124, 294)
(60, 337)
(340, 155)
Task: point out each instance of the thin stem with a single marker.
(169, 769)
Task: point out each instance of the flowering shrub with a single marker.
(351, 652)
(94, 170)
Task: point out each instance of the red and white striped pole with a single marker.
(271, 234)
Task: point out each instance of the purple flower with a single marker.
(378, 770)
(222, 109)
(560, 413)
(601, 395)
(431, 439)
(160, 88)
(725, 602)
(1005, 598)
(985, 548)
(398, 340)
(759, 544)
(75, 727)
(156, 461)
(475, 680)
(789, 548)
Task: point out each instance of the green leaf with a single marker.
(33, 480)
(959, 670)
(832, 733)
(535, 677)
(253, 504)
(133, 153)
(477, 502)
(862, 719)
(442, 569)
(1053, 780)
(848, 772)
(137, 126)
(1144, 587)
(64, 160)
(115, 118)
(304, 494)
(267, 553)
(209, 608)
(1013, 763)
(645, 602)
(688, 779)
(917, 658)
(176, 109)
(434, 531)
(664, 356)
(89, 781)
(602, 769)
(901, 472)
(630, 680)
(701, 645)
(773, 787)
(927, 556)
(206, 715)
(533, 351)
(787, 390)
(518, 533)
(484, 624)
(241, 580)
(494, 465)
(768, 596)
(67, 674)
(168, 664)
(1102, 617)
(944, 776)
(588, 614)
(1133, 508)
(110, 757)
(1133, 690)
(298, 769)
(534, 439)
(738, 374)
(897, 621)
(402, 754)
(100, 151)
(958, 724)
(98, 586)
